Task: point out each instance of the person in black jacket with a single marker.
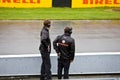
(64, 46)
(45, 50)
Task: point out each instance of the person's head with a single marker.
(47, 23)
(68, 30)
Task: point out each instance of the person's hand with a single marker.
(71, 61)
(48, 48)
(58, 54)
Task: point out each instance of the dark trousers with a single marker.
(63, 64)
(45, 66)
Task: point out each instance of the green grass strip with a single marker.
(60, 13)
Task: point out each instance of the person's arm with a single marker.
(72, 50)
(45, 39)
(55, 44)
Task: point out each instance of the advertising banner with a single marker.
(95, 3)
(26, 3)
(59, 3)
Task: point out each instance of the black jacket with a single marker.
(45, 40)
(65, 45)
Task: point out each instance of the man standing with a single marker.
(64, 46)
(45, 49)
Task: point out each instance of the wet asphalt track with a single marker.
(22, 36)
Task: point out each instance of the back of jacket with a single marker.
(65, 45)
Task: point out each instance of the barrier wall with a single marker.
(84, 63)
(59, 3)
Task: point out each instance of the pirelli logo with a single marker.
(26, 3)
(95, 3)
(21, 1)
(101, 2)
